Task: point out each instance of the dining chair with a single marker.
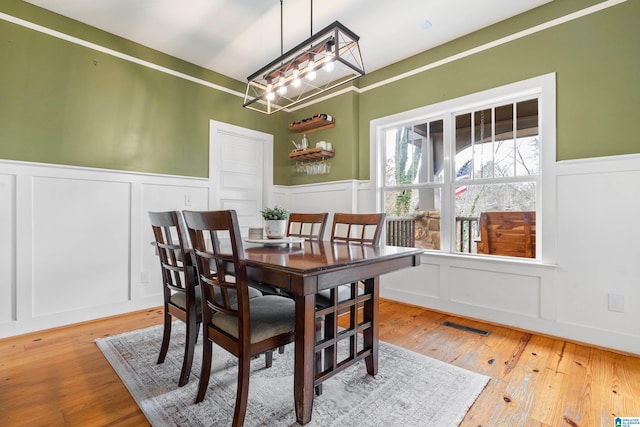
(246, 328)
(180, 290)
(363, 229)
(355, 229)
(309, 226)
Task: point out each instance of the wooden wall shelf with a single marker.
(313, 125)
(310, 154)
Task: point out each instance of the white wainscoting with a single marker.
(80, 244)
(502, 291)
(7, 247)
(595, 253)
(75, 243)
(53, 271)
(331, 197)
(598, 247)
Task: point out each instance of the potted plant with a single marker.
(275, 222)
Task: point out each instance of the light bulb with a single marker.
(295, 82)
(270, 95)
(311, 75)
(329, 66)
(282, 90)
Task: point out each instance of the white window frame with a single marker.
(542, 87)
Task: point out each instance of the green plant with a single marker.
(403, 202)
(274, 213)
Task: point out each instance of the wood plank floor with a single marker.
(60, 378)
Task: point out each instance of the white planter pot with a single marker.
(275, 228)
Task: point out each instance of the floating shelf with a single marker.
(313, 125)
(310, 154)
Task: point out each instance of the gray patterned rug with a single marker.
(409, 390)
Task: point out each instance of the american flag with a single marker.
(463, 173)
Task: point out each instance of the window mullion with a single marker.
(447, 224)
(514, 138)
(493, 139)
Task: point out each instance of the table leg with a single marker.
(370, 313)
(305, 360)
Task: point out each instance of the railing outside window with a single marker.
(466, 233)
(402, 232)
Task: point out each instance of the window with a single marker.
(462, 178)
(413, 181)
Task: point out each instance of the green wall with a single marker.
(596, 59)
(67, 104)
(343, 137)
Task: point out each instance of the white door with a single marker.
(240, 171)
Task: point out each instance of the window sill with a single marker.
(486, 259)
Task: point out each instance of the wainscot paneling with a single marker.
(508, 292)
(404, 283)
(76, 243)
(80, 252)
(7, 247)
(598, 235)
(502, 291)
(596, 259)
(331, 197)
(591, 258)
(594, 251)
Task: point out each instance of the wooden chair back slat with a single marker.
(309, 226)
(216, 240)
(360, 228)
(174, 256)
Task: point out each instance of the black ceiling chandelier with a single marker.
(327, 59)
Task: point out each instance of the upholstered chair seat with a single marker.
(269, 315)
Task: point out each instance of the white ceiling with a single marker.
(237, 37)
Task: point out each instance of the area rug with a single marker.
(409, 390)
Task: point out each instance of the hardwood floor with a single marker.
(59, 377)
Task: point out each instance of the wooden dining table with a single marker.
(304, 269)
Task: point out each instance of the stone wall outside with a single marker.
(428, 229)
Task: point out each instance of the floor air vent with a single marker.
(466, 328)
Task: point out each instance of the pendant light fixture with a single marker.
(327, 59)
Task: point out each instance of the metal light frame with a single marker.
(327, 59)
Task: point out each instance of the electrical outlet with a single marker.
(616, 303)
(144, 277)
(187, 199)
